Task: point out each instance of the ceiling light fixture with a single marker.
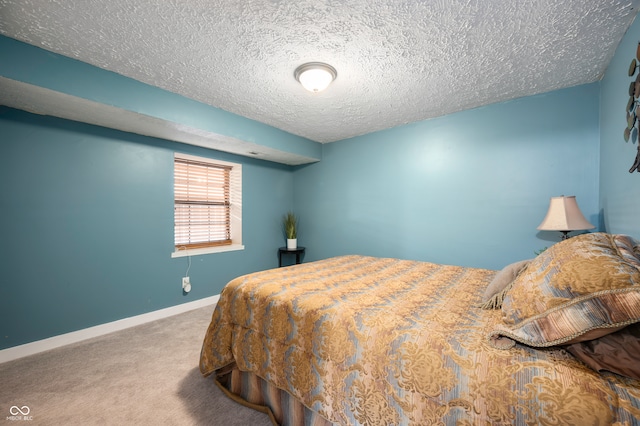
(315, 76)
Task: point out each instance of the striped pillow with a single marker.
(579, 289)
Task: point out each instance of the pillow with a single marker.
(579, 289)
(500, 282)
(617, 352)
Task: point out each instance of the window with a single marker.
(207, 205)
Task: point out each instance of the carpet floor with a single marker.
(146, 374)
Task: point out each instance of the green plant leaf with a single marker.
(290, 225)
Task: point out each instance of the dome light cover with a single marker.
(315, 76)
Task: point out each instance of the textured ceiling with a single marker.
(397, 61)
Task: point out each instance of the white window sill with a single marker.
(206, 250)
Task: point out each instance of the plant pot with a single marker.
(292, 243)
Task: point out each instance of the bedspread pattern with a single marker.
(373, 341)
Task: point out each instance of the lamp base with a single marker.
(565, 234)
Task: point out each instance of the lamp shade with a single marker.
(564, 215)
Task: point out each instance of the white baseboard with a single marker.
(27, 349)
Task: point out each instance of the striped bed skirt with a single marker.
(252, 391)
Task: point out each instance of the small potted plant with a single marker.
(290, 228)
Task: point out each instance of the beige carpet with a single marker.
(143, 375)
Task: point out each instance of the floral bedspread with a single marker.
(378, 341)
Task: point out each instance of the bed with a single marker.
(359, 340)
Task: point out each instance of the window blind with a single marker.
(202, 209)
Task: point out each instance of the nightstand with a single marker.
(283, 250)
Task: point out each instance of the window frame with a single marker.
(235, 200)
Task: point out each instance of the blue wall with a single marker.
(619, 190)
(469, 188)
(87, 226)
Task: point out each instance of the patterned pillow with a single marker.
(579, 289)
